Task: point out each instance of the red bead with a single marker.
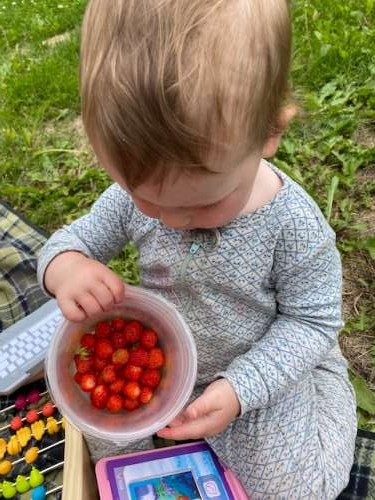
(33, 397)
(16, 423)
(32, 416)
(20, 402)
(48, 409)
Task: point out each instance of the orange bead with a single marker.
(31, 455)
(5, 467)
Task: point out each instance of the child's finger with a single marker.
(194, 429)
(89, 305)
(103, 295)
(198, 408)
(115, 285)
(191, 412)
(177, 421)
(71, 310)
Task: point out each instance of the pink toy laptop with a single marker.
(183, 472)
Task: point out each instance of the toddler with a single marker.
(183, 101)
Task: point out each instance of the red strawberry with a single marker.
(99, 364)
(132, 390)
(83, 362)
(99, 396)
(117, 386)
(88, 382)
(130, 404)
(103, 348)
(118, 339)
(120, 357)
(118, 324)
(114, 403)
(132, 372)
(145, 395)
(139, 357)
(151, 377)
(133, 331)
(109, 374)
(78, 377)
(155, 357)
(148, 339)
(88, 341)
(103, 329)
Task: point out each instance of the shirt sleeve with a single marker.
(307, 281)
(100, 235)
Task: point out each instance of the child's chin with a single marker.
(202, 227)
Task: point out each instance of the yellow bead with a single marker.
(24, 436)
(3, 448)
(52, 426)
(14, 447)
(37, 429)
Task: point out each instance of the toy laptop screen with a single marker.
(177, 473)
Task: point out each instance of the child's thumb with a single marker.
(197, 408)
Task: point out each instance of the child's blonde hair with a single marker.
(167, 82)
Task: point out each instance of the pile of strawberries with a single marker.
(120, 364)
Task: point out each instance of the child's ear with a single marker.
(272, 143)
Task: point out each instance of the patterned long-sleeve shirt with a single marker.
(262, 295)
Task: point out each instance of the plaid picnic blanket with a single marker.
(362, 475)
(19, 243)
(20, 294)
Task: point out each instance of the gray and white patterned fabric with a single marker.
(262, 296)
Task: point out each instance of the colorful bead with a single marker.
(38, 493)
(32, 416)
(16, 423)
(38, 429)
(33, 397)
(13, 446)
(24, 436)
(8, 490)
(31, 455)
(36, 478)
(52, 426)
(5, 467)
(22, 484)
(3, 448)
(48, 409)
(21, 402)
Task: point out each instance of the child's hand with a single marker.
(83, 287)
(209, 414)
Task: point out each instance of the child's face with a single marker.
(197, 200)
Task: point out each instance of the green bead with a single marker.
(36, 478)
(9, 490)
(22, 484)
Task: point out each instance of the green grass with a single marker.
(48, 172)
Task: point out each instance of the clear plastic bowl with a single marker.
(170, 397)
